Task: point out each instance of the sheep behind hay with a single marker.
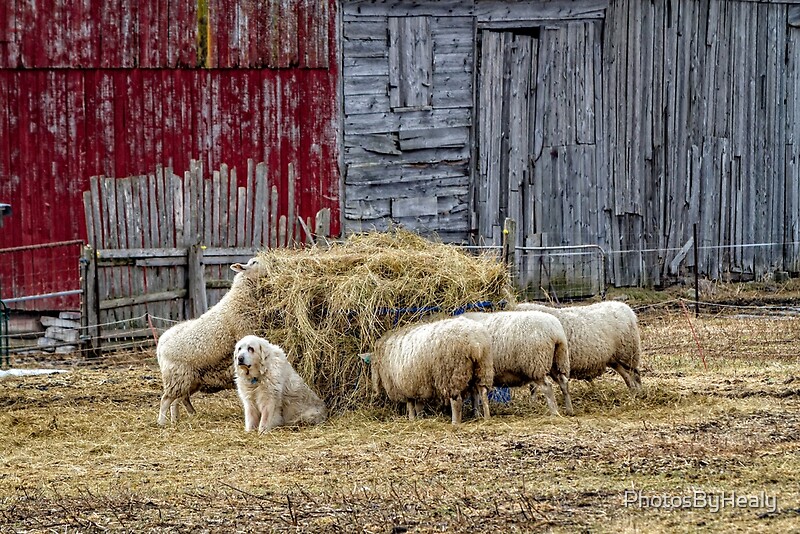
(194, 355)
(527, 347)
(605, 334)
(441, 360)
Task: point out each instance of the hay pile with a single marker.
(325, 306)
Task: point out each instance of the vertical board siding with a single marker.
(165, 33)
(141, 228)
(705, 135)
(117, 92)
(645, 119)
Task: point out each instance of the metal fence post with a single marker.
(4, 341)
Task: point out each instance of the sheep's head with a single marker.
(252, 265)
(250, 271)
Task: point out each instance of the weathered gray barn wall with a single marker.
(621, 124)
(700, 104)
(407, 143)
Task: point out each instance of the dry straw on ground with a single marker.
(324, 306)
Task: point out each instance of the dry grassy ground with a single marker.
(82, 452)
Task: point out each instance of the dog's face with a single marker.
(247, 355)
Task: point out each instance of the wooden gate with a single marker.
(539, 156)
(161, 245)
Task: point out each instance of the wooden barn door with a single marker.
(537, 140)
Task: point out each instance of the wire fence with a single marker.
(554, 273)
(123, 337)
(45, 276)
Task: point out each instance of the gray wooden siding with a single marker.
(407, 137)
(641, 119)
(701, 115)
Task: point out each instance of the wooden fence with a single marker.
(160, 245)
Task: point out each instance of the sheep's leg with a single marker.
(563, 383)
(410, 409)
(484, 394)
(456, 405)
(549, 397)
(166, 402)
(626, 376)
(188, 404)
(419, 407)
(476, 401)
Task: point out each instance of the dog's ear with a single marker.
(264, 352)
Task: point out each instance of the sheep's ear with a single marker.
(366, 356)
(238, 267)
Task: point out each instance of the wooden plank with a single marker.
(219, 232)
(249, 209)
(87, 210)
(232, 202)
(414, 207)
(322, 225)
(241, 216)
(436, 187)
(207, 221)
(273, 233)
(282, 232)
(360, 210)
(389, 174)
(146, 279)
(260, 204)
(188, 220)
(223, 206)
(291, 206)
(154, 237)
(124, 302)
(488, 11)
(410, 62)
(517, 155)
(177, 209)
(401, 8)
(430, 138)
(196, 301)
(90, 316)
(374, 143)
(124, 228)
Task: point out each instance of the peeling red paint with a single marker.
(95, 87)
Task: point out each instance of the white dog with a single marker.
(272, 392)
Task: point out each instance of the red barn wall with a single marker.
(115, 88)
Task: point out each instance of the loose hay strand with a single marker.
(325, 306)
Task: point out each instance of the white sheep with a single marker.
(527, 347)
(194, 355)
(441, 360)
(605, 334)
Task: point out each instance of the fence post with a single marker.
(90, 304)
(510, 245)
(5, 349)
(196, 302)
(322, 226)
